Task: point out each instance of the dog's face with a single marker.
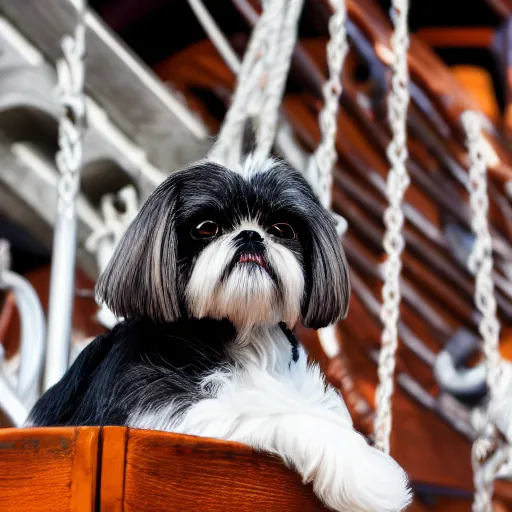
(241, 246)
(255, 247)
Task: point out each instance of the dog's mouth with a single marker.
(249, 258)
(257, 259)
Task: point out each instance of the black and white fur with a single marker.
(205, 347)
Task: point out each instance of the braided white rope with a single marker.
(336, 51)
(261, 81)
(322, 161)
(481, 259)
(397, 183)
(285, 141)
(481, 264)
(71, 74)
(248, 82)
(276, 82)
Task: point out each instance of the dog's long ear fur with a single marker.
(140, 280)
(328, 286)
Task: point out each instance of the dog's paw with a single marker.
(347, 474)
(350, 475)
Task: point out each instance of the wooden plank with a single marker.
(174, 473)
(457, 37)
(113, 461)
(84, 471)
(48, 469)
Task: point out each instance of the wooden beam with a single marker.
(133, 97)
(457, 37)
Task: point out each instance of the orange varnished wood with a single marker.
(85, 467)
(57, 469)
(113, 457)
(170, 472)
(506, 344)
(456, 37)
(51, 469)
(478, 84)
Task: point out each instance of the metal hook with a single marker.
(449, 371)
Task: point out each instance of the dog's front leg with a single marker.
(318, 442)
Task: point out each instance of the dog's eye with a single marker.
(206, 229)
(282, 230)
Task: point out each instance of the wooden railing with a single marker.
(116, 469)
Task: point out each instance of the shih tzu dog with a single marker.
(210, 278)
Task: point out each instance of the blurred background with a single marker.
(157, 91)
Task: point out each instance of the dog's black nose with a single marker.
(250, 236)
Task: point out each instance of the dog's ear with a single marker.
(327, 280)
(140, 280)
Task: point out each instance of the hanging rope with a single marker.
(263, 101)
(481, 264)
(397, 183)
(319, 167)
(276, 81)
(71, 73)
(248, 86)
(481, 259)
(261, 81)
(32, 328)
(322, 161)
